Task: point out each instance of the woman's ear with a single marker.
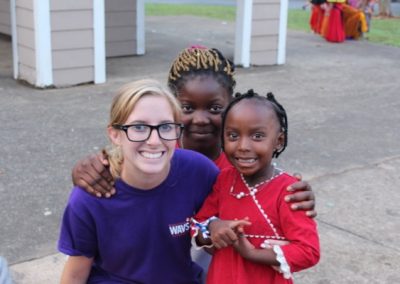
(114, 135)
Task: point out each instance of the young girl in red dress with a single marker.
(257, 238)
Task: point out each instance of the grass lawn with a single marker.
(385, 31)
(224, 13)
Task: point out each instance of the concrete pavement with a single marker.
(343, 108)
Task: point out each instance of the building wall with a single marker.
(5, 19)
(72, 40)
(121, 27)
(26, 40)
(265, 32)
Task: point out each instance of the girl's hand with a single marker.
(303, 197)
(225, 232)
(93, 175)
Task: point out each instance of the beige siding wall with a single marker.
(120, 27)
(5, 18)
(265, 30)
(72, 41)
(26, 40)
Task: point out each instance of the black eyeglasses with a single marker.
(142, 132)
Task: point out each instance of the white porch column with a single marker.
(283, 18)
(31, 41)
(44, 66)
(140, 28)
(243, 32)
(14, 38)
(99, 41)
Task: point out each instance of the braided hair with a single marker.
(197, 61)
(276, 106)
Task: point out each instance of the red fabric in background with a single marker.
(335, 31)
(317, 15)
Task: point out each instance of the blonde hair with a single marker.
(122, 106)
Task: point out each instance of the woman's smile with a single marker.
(151, 155)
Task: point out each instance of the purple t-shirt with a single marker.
(140, 236)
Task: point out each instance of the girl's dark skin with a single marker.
(203, 100)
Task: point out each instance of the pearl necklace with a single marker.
(253, 189)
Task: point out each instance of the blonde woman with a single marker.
(141, 235)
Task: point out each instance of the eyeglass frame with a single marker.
(125, 127)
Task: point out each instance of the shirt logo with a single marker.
(179, 229)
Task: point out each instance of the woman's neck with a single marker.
(142, 180)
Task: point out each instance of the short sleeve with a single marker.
(78, 231)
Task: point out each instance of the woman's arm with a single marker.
(92, 174)
(76, 270)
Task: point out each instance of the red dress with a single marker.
(222, 162)
(227, 266)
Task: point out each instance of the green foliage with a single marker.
(384, 31)
(225, 13)
(298, 20)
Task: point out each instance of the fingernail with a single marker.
(287, 198)
(98, 195)
(108, 195)
(294, 206)
(289, 188)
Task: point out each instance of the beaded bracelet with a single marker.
(203, 226)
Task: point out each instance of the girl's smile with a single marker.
(203, 99)
(251, 134)
(245, 160)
